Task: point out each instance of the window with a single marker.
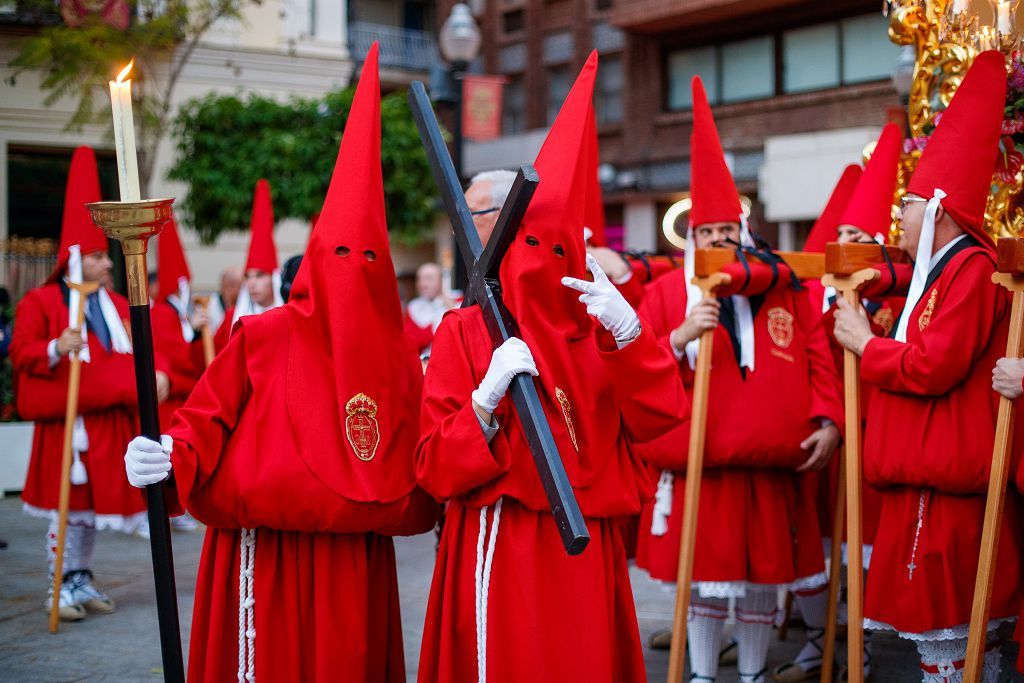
(748, 70)
(559, 81)
(513, 22)
(810, 58)
(853, 50)
(608, 90)
(868, 54)
(513, 115)
(682, 67)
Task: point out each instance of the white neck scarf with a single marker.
(181, 302)
(741, 304)
(922, 264)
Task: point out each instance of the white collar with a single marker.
(937, 256)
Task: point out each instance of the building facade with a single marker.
(279, 48)
(798, 89)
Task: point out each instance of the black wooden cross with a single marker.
(482, 266)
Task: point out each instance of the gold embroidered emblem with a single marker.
(780, 327)
(563, 401)
(361, 426)
(929, 309)
(885, 319)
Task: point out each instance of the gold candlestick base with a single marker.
(133, 224)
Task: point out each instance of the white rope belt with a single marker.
(246, 606)
(485, 544)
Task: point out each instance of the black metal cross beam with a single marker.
(482, 266)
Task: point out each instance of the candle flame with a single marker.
(124, 72)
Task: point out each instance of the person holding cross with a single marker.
(774, 406)
(40, 351)
(296, 449)
(507, 603)
(929, 436)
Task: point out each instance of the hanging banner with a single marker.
(481, 106)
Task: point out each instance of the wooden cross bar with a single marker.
(1009, 274)
(484, 288)
(805, 265)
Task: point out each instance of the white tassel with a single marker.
(78, 473)
(662, 504)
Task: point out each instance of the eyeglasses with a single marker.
(909, 200)
(483, 212)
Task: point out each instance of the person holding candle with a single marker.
(261, 290)
(296, 449)
(42, 343)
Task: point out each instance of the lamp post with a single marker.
(460, 44)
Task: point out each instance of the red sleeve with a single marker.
(31, 337)
(968, 311)
(422, 337)
(453, 457)
(664, 315)
(203, 424)
(632, 290)
(827, 398)
(651, 395)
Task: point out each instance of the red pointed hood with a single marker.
(826, 228)
(532, 270)
(594, 210)
(960, 157)
(354, 381)
(171, 264)
(262, 251)
(76, 226)
(870, 207)
(714, 194)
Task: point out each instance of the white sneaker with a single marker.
(68, 609)
(87, 595)
(184, 522)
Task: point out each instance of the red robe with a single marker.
(824, 483)
(754, 525)
(106, 401)
(422, 337)
(544, 608)
(929, 444)
(182, 361)
(325, 589)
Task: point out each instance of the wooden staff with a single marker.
(835, 571)
(208, 351)
(70, 415)
(1010, 276)
(694, 467)
(849, 287)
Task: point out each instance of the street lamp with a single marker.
(460, 44)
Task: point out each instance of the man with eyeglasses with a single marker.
(929, 435)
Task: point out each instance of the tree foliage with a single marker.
(226, 144)
(78, 61)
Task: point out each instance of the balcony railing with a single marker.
(400, 48)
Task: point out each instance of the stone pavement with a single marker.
(124, 646)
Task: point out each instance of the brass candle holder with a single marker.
(133, 224)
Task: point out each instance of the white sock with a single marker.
(949, 656)
(704, 635)
(79, 542)
(755, 615)
(814, 607)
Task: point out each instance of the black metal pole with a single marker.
(159, 526)
(458, 69)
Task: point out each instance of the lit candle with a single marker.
(1003, 18)
(124, 136)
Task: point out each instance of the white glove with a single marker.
(148, 462)
(507, 361)
(605, 303)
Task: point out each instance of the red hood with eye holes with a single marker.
(354, 379)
